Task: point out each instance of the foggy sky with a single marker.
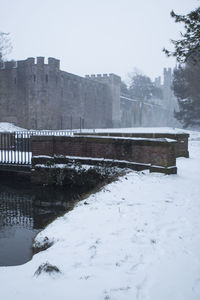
(95, 36)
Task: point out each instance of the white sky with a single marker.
(95, 36)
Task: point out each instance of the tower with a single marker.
(114, 83)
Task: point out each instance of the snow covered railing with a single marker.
(16, 148)
(52, 132)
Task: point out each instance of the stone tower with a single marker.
(169, 101)
(114, 83)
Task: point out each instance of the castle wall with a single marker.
(9, 89)
(86, 99)
(114, 84)
(130, 112)
(135, 113)
(40, 96)
(154, 112)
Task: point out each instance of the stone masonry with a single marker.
(38, 95)
(41, 96)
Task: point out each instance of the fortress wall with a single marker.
(114, 83)
(130, 113)
(136, 114)
(37, 95)
(26, 92)
(153, 115)
(9, 89)
(85, 99)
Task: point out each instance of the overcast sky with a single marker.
(95, 36)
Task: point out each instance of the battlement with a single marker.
(31, 61)
(167, 71)
(93, 76)
(167, 77)
(8, 65)
(157, 81)
(104, 77)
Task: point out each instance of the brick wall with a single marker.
(160, 152)
(181, 147)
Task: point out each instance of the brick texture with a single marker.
(156, 152)
(181, 147)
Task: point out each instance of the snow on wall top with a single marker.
(138, 130)
(129, 138)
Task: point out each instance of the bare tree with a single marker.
(5, 45)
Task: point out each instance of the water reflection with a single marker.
(23, 213)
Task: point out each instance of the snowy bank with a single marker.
(9, 127)
(138, 238)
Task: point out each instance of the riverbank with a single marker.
(138, 238)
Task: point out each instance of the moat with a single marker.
(24, 212)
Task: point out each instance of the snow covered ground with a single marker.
(138, 238)
(9, 127)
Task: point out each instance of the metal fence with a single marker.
(51, 132)
(15, 147)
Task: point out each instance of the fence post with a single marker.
(71, 122)
(80, 123)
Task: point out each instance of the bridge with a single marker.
(16, 148)
(21, 151)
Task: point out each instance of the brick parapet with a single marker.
(149, 151)
(181, 147)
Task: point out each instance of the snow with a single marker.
(138, 238)
(164, 140)
(9, 127)
(99, 159)
(43, 156)
(138, 130)
(64, 166)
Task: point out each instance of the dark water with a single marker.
(23, 213)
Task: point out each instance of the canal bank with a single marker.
(27, 208)
(137, 237)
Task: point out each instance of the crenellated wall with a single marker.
(27, 93)
(38, 95)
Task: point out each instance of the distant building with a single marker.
(154, 111)
(169, 101)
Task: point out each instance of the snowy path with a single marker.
(139, 238)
